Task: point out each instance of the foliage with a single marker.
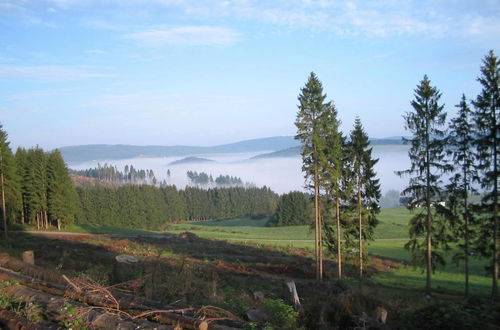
(293, 208)
(281, 316)
(452, 316)
(148, 207)
(427, 158)
(487, 132)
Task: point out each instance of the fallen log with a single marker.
(6, 261)
(11, 320)
(111, 299)
(57, 309)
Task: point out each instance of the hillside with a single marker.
(290, 152)
(283, 145)
(121, 151)
(191, 160)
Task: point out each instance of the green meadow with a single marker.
(390, 236)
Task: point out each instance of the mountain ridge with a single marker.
(82, 153)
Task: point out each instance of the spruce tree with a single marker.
(462, 151)
(9, 183)
(427, 159)
(311, 108)
(487, 121)
(61, 195)
(334, 180)
(365, 185)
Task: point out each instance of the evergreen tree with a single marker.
(487, 121)
(294, 208)
(61, 195)
(311, 108)
(365, 184)
(462, 152)
(334, 180)
(9, 183)
(427, 165)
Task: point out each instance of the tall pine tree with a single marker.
(9, 183)
(311, 109)
(462, 151)
(365, 184)
(61, 194)
(427, 158)
(487, 121)
(334, 180)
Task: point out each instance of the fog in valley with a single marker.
(280, 174)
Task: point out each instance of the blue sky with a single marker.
(201, 72)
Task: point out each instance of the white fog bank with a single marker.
(280, 174)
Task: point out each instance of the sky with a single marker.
(200, 72)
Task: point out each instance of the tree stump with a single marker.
(291, 295)
(29, 257)
(125, 268)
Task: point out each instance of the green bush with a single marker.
(281, 316)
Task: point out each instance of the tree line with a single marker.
(37, 190)
(203, 179)
(146, 206)
(112, 174)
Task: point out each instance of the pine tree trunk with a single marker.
(317, 238)
(22, 215)
(59, 224)
(496, 257)
(466, 236)
(339, 250)
(360, 234)
(46, 220)
(428, 283)
(38, 221)
(4, 213)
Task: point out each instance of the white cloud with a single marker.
(47, 73)
(187, 36)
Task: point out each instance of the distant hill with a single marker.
(122, 151)
(295, 151)
(73, 154)
(191, 160)
(290, 152)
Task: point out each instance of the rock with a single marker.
(381, 314)
(258, 296)
(256, 316)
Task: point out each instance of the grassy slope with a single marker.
(393, 224)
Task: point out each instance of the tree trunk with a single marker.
(339, 250)
(496, 257)
(428, 283)
(4, 213)
(46, 219)
(59, 224)
(291, 295)
(360, 233)
(466, 236)
(38, 221)
(317, 223)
